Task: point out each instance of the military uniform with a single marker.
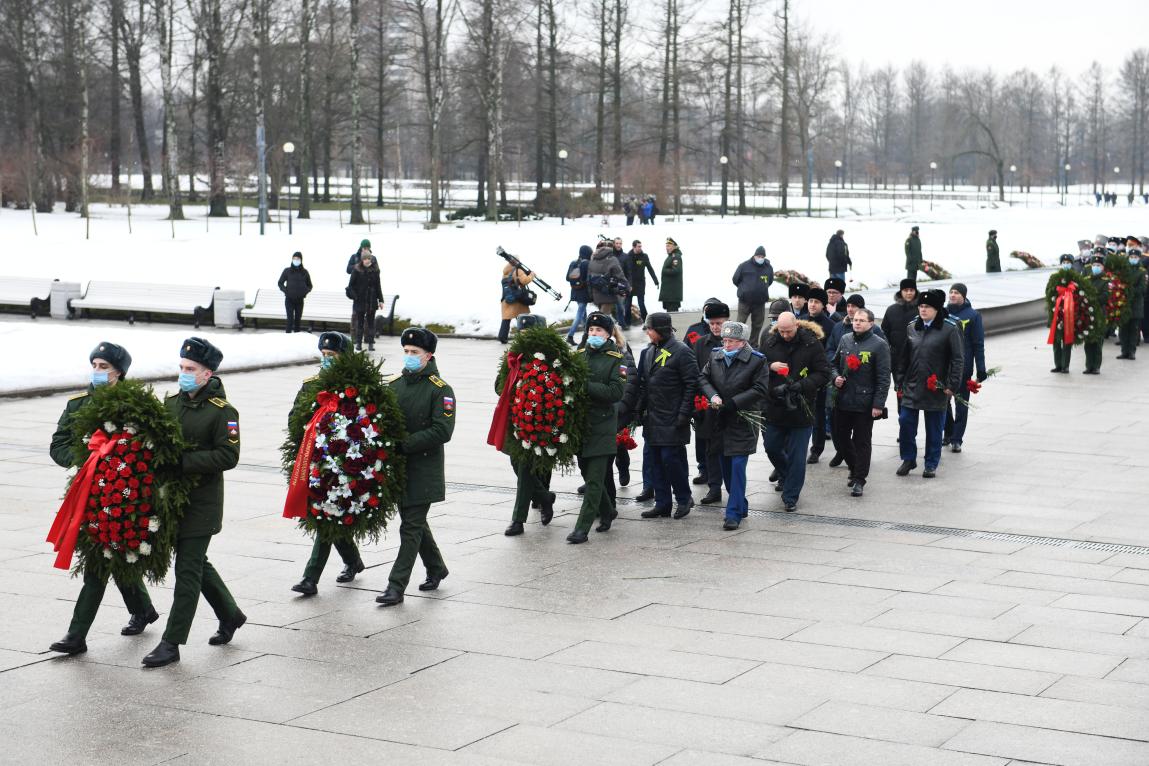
(992, 254)
(604, 388)
(1130, 330)
(1093, 349)
(670, 293)
(913, 250)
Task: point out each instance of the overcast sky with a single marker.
(1004, 34)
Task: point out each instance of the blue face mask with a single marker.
(99, 379)
(1134, 262)
(595, 341)
(1097, 269)
(297, 263)
(187, 382)
(1066, 266)
(326, 362)
(730, 354)
(412, 363)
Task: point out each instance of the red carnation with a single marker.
(133, 544)
(348, 520)
(972, 386)
(134, 483)
(373, 501)
(141, 467)
(121, 449)
(853, 362)
(932, 382)
(148, 480)
(147, 454)
(351, 392)
(143, 521)
(371, 409)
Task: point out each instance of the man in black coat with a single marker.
(707, 450)
(819, 316)
(899, 314)
(295, 283)
(798, 369)
(366, 296)
(860, 371)
(639, 264)
(838, 255)
(753, 279)
(661, 395)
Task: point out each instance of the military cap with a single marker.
(599, 319)
(113, 354)
(420, 337)
(1066, 258)
(835, 283)
(670, 241)
(993, 232)
(913, 228)
(735, 331)
(202, 352)
(933, 298)
(716, 310)
(335, 341)
(800, 289)
(1098, 259)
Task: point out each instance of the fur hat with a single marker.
(1065, 258)
(834, 283)
(908, 283)
(716, 310)
(800, 290)
(421, 337)
(660, 322)
(335, 341)
(933, 298)
(202, 352)
(601, 320)
(818, 294)
(735, 331)
(113, 354)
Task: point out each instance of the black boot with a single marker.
(856, 489)
(604, 524)
(165, 653)
(390, 597)
(432, 581)
(645, 495)
(70, 644)
(655, 513)
(349, 572)
(774, 475)
(547, 512)
(683, 509)
(906, 467)
(713, 496)
(837, 460)
(623, 477)
(140, 621)
(227, 629)
(576, 537)
(581, 489)
(700, 479)
(306, 587)
(515, 528)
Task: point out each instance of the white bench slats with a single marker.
(144, 298)
(32, 293)
(321, 307)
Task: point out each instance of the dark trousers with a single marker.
(669, 474)
(908, 434)
(734, 477)
(320, 551)
(647, 462)
(415, 541)
(786, 448)
(622, 463)
(136, 599)
(363, 325)
(623, 311)
(641, 304)
(530, 488)
(294, 307)
(1129, 333)
(756, 312)
(630, 220)
(670, 306)
(597, 501)
(1062, 352)
(834, 438)
(1093, 356)
(853, 432)
(818, 437)
(911, 273)
(504, 330)
(957, 415)
(196, 575)
(714, 476)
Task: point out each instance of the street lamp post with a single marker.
(723, 160)
(933, 167)
(837, 184)
(1065, 186)
(563, 192)
(1012, 170)
(289, 149)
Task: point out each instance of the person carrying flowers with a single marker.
(860, 371)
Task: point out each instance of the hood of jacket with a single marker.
(898, 299)
(603, 253)
(803, 324)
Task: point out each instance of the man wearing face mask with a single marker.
(210, 425)
(1062, 352)
(753, 279)
(1093, 350)
(1130, 330)
(428, 404)
(110, 364)
(331, 345)
(295, 283)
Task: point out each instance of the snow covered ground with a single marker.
(451, 275)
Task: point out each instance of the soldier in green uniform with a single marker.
(992, 253)
(331, 344)
(1130, 330)
(428, 404)
(211, 427)
(1061, 352)
(913, 254)
(110, 364)
(671, 291)
(1093, 350)
(605, 386)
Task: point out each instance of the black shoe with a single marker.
(789, 507)
(1124, 356)
(604, 524)
(856, 490)
(547, 512)
(432, 582)
(623, 477)
(576, 537)
(945, 441)
(1056, 369)
(358, 346)
(955, 447)
(516, 528)
(1089, 372)
(390, 597)
(644, 496)
(1065, 370)
(683, 509)
(70, 644)
(349, 572)
(928, 473)
(837, 460)
(812, 459)
(140, 621)
(655, 513)
(774, 475)
(713, 496)
(306, 587)
(227, 630)
(851, 481)
(581, 489)
(371, 347)
(700, 479)
(906, 467)
(165, 653)
(730, 524)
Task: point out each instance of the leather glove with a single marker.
(981, 376)
(779, 392)
(730, 405)
(794, 387)
(682, 422)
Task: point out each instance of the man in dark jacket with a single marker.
(753, 279)
(670, 293)
(992, 253)
(817, 307)
(860, 371)
(366, 296)
(835, 298)
(913, 254)
(353, 261)
(798, 369)
(661, 396)
(636, 267)
(707, 450)
(899, 314)
(734, 380)
(838, 255)
(798, 294)
(577, 276)
(973, 353)
(295, 283)
(927, 373)
(842, 328)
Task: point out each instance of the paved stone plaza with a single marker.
(831, 636)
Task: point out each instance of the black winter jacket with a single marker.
(637, 266)
(895, 323)
(661, 393)
(809, 371)
(753, 282)
(603, 266)
(364, 289)
(865, 388)
(580, 291)
(295, 283)
(933, 350)
(743, 387)
(838, 255)
(706, 421)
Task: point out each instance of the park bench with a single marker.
(28, 293)
(321, 309)
(138, 298)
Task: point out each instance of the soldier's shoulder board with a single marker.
(580, 350)
(758, 354)
(389, 379)
(80, 395)
(615, 354)
(952, 321)
(312, 379)
(218, 402)
(437, 380)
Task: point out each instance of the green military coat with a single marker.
(63, 448)
(992, 256)
(913, 253)
(1137, 294)
(1101, 287)
(605, 386)
(211, 427)
(671, 288)
(428, 404)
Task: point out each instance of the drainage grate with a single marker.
(805, 518)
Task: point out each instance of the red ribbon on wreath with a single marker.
(501, 421)
(66, 526)
(295, 507)
(1066, 304)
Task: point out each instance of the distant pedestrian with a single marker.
(913, 254)
(838, 255)
(753, 279)
(295, 284)
(653, 208)
(992, 254)
(366, 298)
(646, 212)
(353, 261)
(671, 292)
(630, 209)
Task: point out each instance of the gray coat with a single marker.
(933, 350)
(866, 387)
(604, 265)
(743, 386)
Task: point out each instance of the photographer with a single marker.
(517, 299)
(604, 277)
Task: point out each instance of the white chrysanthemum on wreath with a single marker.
(153, 525)
(563, 439)
(107, 553)
(526, 444)
(568, 399)
(552, 451)
(145, 549)
(566, 380)
(558, 363)
(109, 427)
(131, 557)
(131, 428)
(540, 356)
(538, 450)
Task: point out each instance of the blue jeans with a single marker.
(622, 313)
(579, 320)
(734, 477)
(669, 473)
(839, 274)
(908, 434)
(786, 448)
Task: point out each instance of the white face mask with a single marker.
(759, 260)
(296, 262)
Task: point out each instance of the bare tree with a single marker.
(1135, 85)
(115, 10)
(306, 148)
(356, 120)
(980, 94)
(134, 29)
(620, 10)
(812, 69)
(1096, 125)
(165, 25)
(429, 21)
(918, 81)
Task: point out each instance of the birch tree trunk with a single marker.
(165, 18)
(306, 22)
(356, 117)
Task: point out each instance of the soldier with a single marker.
(661, 395)
(1062, 352)
(331, 344)
(928, 373)
(992, 253)
(605, 383)
(709, 449)
(428, 404)
(798, 294)
(110, 365)
(671, 291)
(1093, 350)
(861, 373)
(973, 355)
(735, 379)
(211, 427)
(1130, 330)
(913, 254)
